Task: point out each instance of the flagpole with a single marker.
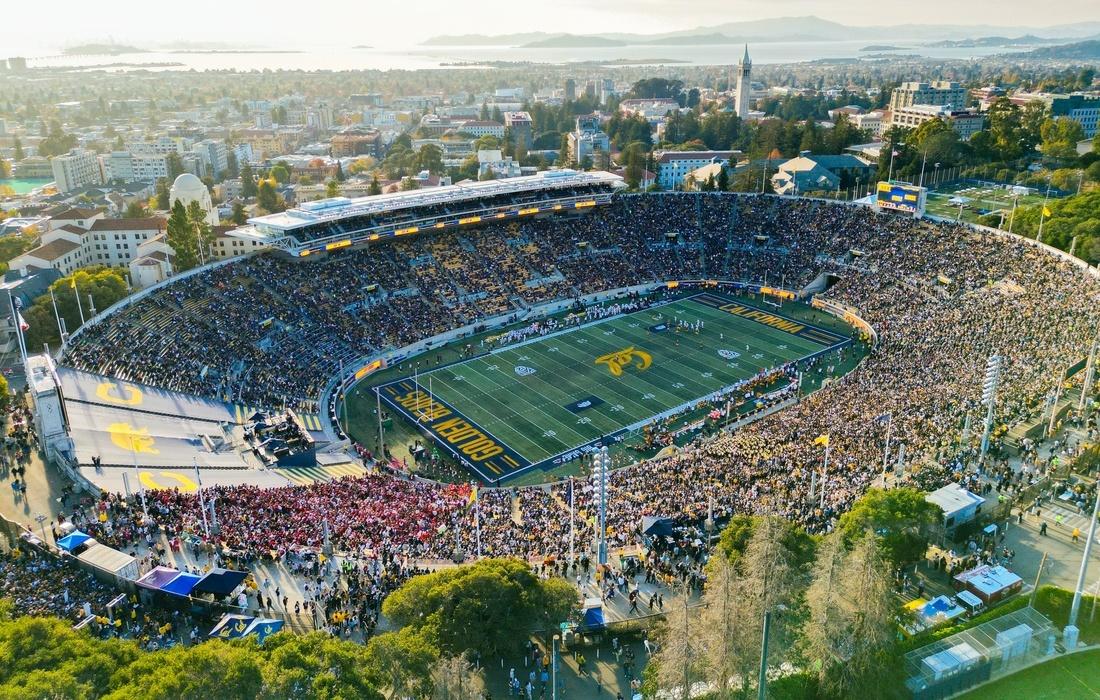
(1043, 214)
(79, 306)
(57, 317)
(825, 471)
(16, 320)
(416, 387)
(202, 501)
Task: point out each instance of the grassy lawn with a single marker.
(989, 198)
(1073, 676)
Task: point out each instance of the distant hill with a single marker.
(1026, 40)
(1079, 51)
(884, 47)
(808, 28)
(572, 41)
(487, 40)
(101, 50)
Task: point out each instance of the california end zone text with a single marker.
(465, 439)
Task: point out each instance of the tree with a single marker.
(735, 537)
(315, 666)
(1060, 137)
(239, 215)
(677, 659)
(455, 678)
(135, 210)
(901, 518)
(214, 669)
(181, 238)
(491, 605)
(248, 182)
(17, 145)
(332, 188)
(852, 624)
(106, 286)
(57, 142)
(403, 661)
(15, 244)
(408, 184)
(5, 394)
(281, 172)
(200, 227)
(175, 165)
(375, 186)
(430, 158)
(268, 199)
(768, 582)
(163, 195)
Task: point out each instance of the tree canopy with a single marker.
(491, 605)
(902, 520)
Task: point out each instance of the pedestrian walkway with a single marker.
(1064, 517)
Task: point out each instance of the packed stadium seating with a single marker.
(268, 330)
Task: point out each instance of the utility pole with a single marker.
(1069, 634)
(762, 681)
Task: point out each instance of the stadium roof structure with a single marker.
(337, 208)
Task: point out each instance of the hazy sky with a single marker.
(387, 23)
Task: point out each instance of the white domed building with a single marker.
(187, 188)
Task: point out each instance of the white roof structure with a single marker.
(953, 498)
(108, 559)
(341, 207)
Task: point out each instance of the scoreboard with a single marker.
(901, 196)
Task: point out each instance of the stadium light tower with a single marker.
(989, 398)
(601, 468)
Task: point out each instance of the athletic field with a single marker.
(542, 401)
(980, 199)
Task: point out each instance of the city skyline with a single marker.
(128, 21)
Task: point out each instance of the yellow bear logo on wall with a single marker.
(133, 395)
(130, 438)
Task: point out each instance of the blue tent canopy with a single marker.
(232, 626)
(73, 540)
(182, 584)
(264, 627)
(220, 581)
(159, 577)
(593, 616)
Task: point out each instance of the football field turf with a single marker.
(539, 402)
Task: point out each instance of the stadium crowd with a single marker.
(941, 297)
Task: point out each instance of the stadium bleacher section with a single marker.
(269, 330)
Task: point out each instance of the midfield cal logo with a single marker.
(620, 359)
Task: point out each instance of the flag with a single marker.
(72, 282)
(473, 496)
(1046, 211)
(822, 440)
(23, 325)
(895, 153)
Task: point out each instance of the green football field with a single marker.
(537, 402)
(991, 198)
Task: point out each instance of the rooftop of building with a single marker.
(53, 250)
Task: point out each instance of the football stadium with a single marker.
(547, 368)
(504, 329)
